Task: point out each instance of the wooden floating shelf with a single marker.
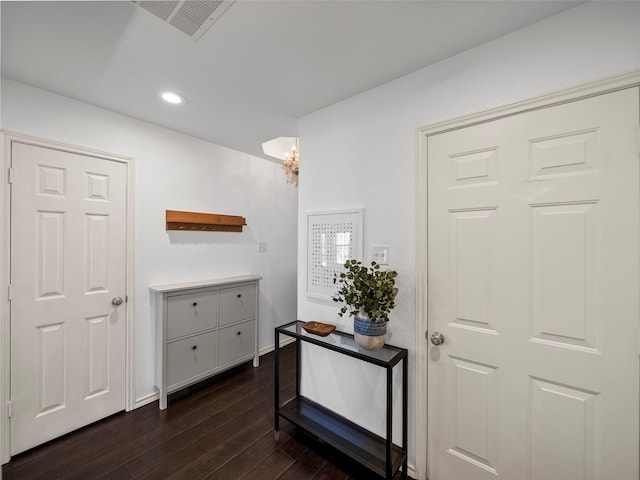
(204, 222)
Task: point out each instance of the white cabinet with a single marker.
(204, 328)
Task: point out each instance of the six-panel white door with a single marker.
(533, 266)
(68, 220)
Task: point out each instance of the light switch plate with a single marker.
(380, 254)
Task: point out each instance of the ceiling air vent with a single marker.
(192, 17)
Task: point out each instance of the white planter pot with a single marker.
(368, 334)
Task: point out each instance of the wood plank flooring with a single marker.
(221, 429)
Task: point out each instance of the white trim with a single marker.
(130, 358)
(146, 400)
(4, 308)
(578, 92)
(271, 348)
(6, 139)
(584, 90)
(421, 394)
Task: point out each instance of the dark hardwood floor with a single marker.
(221, 429)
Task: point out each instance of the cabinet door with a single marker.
(192, 356)
(237, 303)
(192, 313)
(237, 341)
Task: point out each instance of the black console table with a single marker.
(378, 454)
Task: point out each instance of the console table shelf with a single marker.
(378, 454)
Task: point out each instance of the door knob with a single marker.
(437, 338)
(116, 300)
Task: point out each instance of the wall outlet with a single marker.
(263, 247)
(380, 254)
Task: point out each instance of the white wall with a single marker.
(362, 153)
(177, 172)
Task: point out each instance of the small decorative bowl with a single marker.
(318, 328)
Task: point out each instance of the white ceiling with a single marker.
(259, 68)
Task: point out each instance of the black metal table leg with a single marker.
(276, 416)
(405, 405)
(389, 421)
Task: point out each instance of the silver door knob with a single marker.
(116, 300)
(437, 338)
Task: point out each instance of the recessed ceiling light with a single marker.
(173, 97)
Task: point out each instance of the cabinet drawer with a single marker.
(193, 313)
(184, 361)
(237, 341)
(237, 304)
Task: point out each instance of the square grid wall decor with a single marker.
(332, 238)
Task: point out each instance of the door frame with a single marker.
(582, 91)
(7, 138)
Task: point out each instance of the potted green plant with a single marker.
(369, 295)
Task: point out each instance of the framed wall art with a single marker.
(332, 238)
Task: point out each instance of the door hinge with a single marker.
(9, 409)
(10, 292)
(10, 175)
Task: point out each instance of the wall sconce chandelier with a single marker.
(290, 164)
(287, 150)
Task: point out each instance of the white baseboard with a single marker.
(146, 400)
(271, 348)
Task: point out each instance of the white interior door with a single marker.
(533, 279)
(68, 221)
